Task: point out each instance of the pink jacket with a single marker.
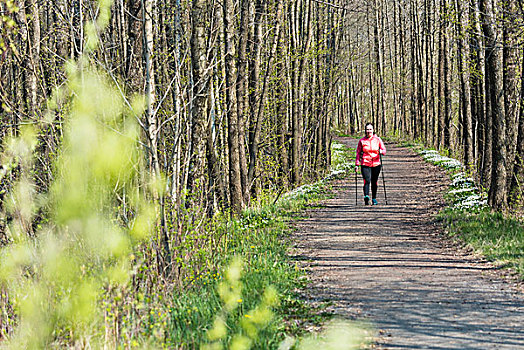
(369, 151)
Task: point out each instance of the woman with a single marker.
(369, 149)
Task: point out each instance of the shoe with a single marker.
(374, 201)
(366, 200)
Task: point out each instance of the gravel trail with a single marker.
(392, 265)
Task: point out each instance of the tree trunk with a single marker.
(254, 92)
(517, 185)
(414, 112)
(242, 91)
(34, 56)
(476, 102)
(444, 102)
(164, 256)
(378, 33)
(200, 91)
(465, 89)
(77, 29)
(494, 91)
(510, 82)
(302, 31)
(235, 182)
(257, 112)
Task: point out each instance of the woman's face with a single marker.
(369, 131)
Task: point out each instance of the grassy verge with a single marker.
(260, 239)
(498, 237)
(216, 310)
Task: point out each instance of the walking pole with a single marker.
(383, 181)
(356, 188)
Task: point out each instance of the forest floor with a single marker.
(394, 266)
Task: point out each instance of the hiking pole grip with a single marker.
(383, 180)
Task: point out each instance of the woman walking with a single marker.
(369, 149)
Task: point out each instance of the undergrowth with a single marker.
(259, 238)
(498, 237)
(84, 265)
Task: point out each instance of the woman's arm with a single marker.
(358, 158)
(382, 147)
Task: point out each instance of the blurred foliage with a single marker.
(7, 26)
(79, 261)
(54, 274)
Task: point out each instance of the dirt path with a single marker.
(391, 265)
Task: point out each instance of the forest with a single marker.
(137, 134)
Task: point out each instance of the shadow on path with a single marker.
(390, 264)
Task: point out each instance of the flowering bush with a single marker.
(342, 159)
(434, 157)
(463, 192)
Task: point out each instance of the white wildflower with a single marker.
(428, 151)
(459, 180)
(463, 190)
(451, 164)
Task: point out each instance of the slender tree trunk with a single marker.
(254, 95)
(476, 102)
(510, 81)
(393, 61)
(494, 91)
(152, 127)
(446, 80)
(378, 33)
(151, 117)
(282, 120)
(200, 91)
(414, 112)
(77, 29)
(402, 90)
(235, 181)
(444, 105)
(33, 56)
(433, 97)
(304, 31)
(517, 185)
(371, 94)
(257, 113)
(465, 89)
(242, 91)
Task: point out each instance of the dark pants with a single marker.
(370, 175)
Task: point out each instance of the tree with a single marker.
(495, 94)
(235, 182)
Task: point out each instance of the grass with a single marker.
(343, 158)
(261, 238)
(498, 237)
